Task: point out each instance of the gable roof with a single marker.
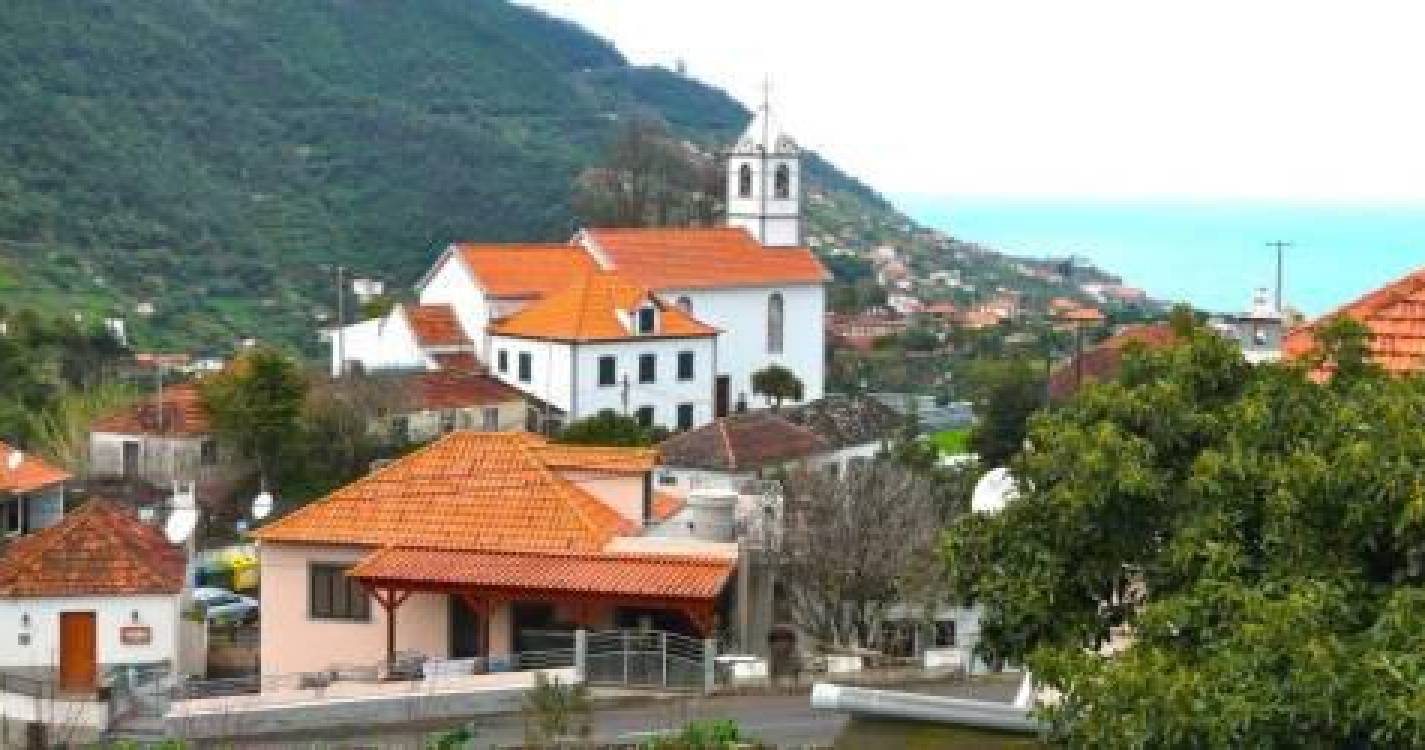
(844, 421)
(704, 258)
(1102, 362)
(445, 389)
(32, 474)
(99, 549)
(595, 308)
(523, 271)
(179, 410)
(467, 490)
(435, 325)
(741, 442)
(1395, 316)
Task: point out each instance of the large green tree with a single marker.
(258, 404)
(1258, 536)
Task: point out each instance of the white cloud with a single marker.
(1283, 99)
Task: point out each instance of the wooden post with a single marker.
(390, 600)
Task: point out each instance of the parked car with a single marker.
(221, 605)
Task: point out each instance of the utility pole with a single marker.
(340, 320)
(1280, 246)
(766, 133)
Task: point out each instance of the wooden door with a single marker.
(78, 652)
(722, 396)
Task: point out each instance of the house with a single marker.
(740, 297)
(98, 592)
(31, 493)
(1102, 362)
(432, 403)
(1258, 332)
(477, 547)
(1392, 314)
(830, 433)
(166, 437)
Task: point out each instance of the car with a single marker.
(221, 605)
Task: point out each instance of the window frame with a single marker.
(782, 182)
(652, 413)
(208, 453)
(646, 320)
(502, 360)
(353, 592)
(744, 180)
(490, 419)
(690, 411)
(524, 364)
(776, 323)
(650, 361)
(612, 362)
(687, 365)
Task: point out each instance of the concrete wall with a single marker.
(162, 458)
(159, 613)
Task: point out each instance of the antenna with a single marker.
(1280, 246)
(184, 517)
(994, 491)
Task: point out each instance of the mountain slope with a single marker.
(211, 157)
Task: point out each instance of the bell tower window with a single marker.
(782, 182)
(774, 323)
(744, 181)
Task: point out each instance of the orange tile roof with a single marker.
(443, 389)
(703, 258)
(181, 413)
(99, 549)
(666, 505)
(1082, 315)
(608, 573)
(517, 271)
(435, 325)
(467, 490)
(32, 474)
(596, 308)
(1395, 315)
(597, 458)
(1102, 362)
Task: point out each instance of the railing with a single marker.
(636, 658)
(30, 687)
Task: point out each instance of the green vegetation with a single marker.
(609, 428)
(52, 371)
(556, 714)
(952, 442)
(703, 734)
(1258, 534)
(218, 159)
(777, 384)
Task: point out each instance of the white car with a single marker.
(221, 605)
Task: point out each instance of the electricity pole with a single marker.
(1280, 246)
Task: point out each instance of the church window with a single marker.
(744, 181)
(775, 325)
(607, 370)
(782, 182)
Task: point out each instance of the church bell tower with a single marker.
(764, 182)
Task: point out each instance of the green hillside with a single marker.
(210, 157)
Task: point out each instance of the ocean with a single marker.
(1208, 254)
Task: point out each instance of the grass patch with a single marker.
(952, 442)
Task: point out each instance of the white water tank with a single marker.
(713, 516)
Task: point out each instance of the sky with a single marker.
(1297, 101)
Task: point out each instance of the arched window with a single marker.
(782, 182)
(685, 304)
(774, 323)
(744, 181)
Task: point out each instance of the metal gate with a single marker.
(646, 658)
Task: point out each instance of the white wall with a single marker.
(782, 223)
(111, 613)
(549, 369)
(741, 313)
(452, 284)
(386, 343)
(664, 395)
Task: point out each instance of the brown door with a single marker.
(722, 396)
(78, 657)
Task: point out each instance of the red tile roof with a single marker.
(32, 474)
(664, 259)
(178, 411)
(1395, 315)
(467, 490)
(458, 362)
(606, 573)
(97, 550)
(430, 391)
(597, 458)
(597, 308)
(435, 325)
(521, 271)
(741, 442)
(1101, 362)
(666, 505)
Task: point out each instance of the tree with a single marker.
(1260, 536)
(557, 714)
(852, 545)
(606, 428)
(647, 178)
(257, 404)
(1014, 391)
(777, 384)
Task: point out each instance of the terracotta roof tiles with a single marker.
(1102, 362)
(702, 258)
(32, 474)
(179, 410)
(742, 442)
(99, 549)
(599, 307)
(1395, 315)
(443, 389)
(522, 271)
(435, 325)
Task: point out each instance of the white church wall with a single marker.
(550, 362)
(665, 394)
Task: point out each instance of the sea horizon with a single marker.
(1211, 254)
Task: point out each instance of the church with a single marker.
(667, 325)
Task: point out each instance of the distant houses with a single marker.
(31, 493)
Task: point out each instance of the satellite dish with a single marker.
(180, 526)
(13, 461)
(994, 491)
(262, 505)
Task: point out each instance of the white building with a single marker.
(756, 297)
(31, 493)
(1259, 331)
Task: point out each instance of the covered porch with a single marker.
(506, 604)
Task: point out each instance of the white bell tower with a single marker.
(764, 182)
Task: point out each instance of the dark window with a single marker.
(447, 420)
(502, 361)
(685, 416)
(647, 320)
(667, 480)
(526, 367)
(490, 419)
(334, 596)
(782, 182)
(608, 370)
(775, 313)
(686, 305)
(401, 430)
(744, 181)
(647, 368)
(208, 453)
(686, 365)
(645, 416)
